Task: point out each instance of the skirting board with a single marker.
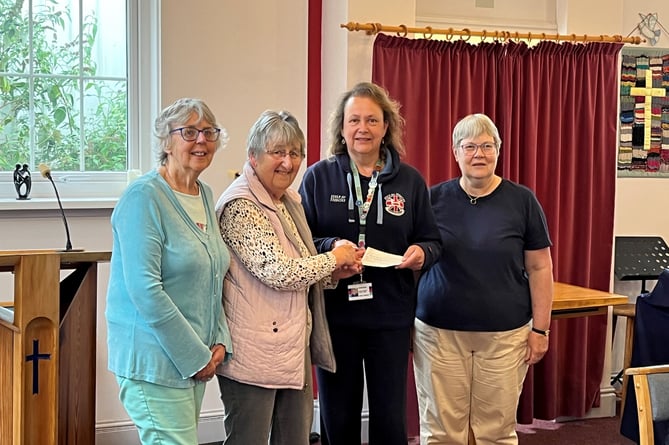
(607, 406)
(210, 429)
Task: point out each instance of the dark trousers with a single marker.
(381, 356)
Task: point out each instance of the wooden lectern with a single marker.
(47, 348)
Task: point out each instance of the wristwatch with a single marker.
(541, 332)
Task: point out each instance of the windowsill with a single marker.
(52, 203)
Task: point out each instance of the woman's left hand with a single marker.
(413, 258)
(209, 371)
(537, 345)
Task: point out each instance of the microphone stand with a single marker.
(68, 244)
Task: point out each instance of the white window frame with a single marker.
(100, 189)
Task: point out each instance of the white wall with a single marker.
(260, 63)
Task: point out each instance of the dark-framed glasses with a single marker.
(486, 147)
(190, 134)
(280, 154)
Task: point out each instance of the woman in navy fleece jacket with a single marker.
(364, 194)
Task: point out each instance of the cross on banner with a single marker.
(35, 357)
(649, 92)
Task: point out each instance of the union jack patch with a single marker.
(394, 204)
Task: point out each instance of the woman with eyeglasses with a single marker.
(166, 328)
(484, 309)
(364, 193)
(273, 292)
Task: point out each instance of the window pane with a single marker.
(13, 38)
(105, 129)
(109, 35)
(14, 122)
(56, 37)
(57, 123)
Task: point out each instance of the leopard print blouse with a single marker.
(249, 234)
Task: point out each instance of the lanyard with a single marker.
(363, 207)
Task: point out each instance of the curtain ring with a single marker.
(484, 35)
(376, 28)
(428, 34)
(529, 38)
(404, 31)
(469, 34)
(573, 38)
(449, 34)
(516, 37)
(557, 37)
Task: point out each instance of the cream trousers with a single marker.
(468, 380)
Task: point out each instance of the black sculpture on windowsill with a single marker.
(22, 181)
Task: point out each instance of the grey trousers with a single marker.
(257, 416)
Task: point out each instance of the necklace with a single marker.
(472, 199)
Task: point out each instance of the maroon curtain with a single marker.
(556, 109)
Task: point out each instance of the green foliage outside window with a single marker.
(41, 88)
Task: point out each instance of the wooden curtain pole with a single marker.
(465, 34)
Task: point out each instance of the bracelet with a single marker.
(541, 332)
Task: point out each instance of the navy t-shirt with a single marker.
(479, 283)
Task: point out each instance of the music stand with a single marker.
(640, 258)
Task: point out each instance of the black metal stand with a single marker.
(639, 258)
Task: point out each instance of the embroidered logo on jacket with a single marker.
(337, 198)
(394, 204)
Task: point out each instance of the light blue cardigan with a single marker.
(164, 301)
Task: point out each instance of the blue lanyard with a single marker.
(363, 207)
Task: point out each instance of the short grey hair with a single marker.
(274, 128)
(473, 126)
(176, 115)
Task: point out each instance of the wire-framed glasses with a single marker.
(280, 154)
(190, 134)
(486, 147)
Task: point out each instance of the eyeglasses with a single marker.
(280, 154)
(190, 134)
(486, 147)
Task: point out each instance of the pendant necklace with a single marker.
(472, 199)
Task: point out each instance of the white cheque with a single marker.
(379, 258)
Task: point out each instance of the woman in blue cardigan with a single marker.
(167, 331)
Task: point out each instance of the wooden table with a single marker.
(576, 301)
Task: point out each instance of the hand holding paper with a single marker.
(378, 258)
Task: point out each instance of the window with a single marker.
(78, 92)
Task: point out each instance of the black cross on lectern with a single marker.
(35, 357)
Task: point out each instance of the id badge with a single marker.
(360, 291)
